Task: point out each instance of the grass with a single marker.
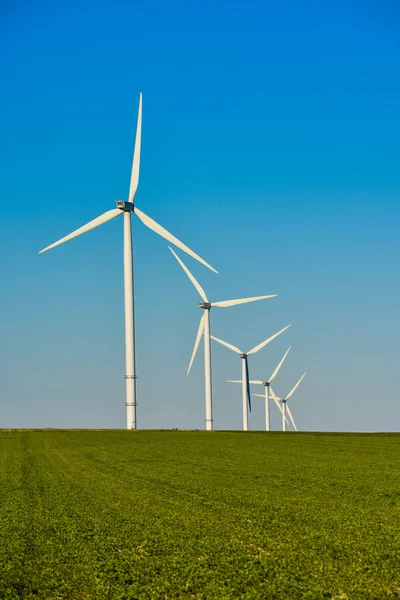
(161, 514)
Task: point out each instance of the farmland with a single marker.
(175, 514)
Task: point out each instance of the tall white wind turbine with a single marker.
(204, 328)
(126, 208)
(266, 385)
(246, 399)
(285, 407)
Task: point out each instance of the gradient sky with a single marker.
(270, 146)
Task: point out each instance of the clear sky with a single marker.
(270, 146)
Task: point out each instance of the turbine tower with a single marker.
(204, 328)
(126, 208)
(285, 407)
(266, 385)
(246, 400)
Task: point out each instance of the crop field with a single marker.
(175, 514)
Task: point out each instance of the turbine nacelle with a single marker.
(243, 355)
(205, 305)
(125, 206)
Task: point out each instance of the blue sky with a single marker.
(270, 146)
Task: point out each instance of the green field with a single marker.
(174, 514)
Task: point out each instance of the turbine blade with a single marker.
(291, 417)
(276, 400)
(151, 224)
(241, 301)
(248, 384)
(192, 279)
(259, 395)
(280, 409)
(136, 155)
(267, 341)
(226, 344)
(240, 381)
(296, 386)
(256, 381)
(197, 342)
(275, 373)
(107, 216)
(273, 394)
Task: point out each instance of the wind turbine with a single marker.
(266, 385)
(275, 400)
(126, 208)
(204, 328)
(285, 407)
(246, 400)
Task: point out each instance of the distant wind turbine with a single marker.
(126, 208)
(285, 407)
(204, 328)
(274, 399)
(266, 385)
(246, 399)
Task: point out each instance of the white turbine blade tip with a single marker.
(107, 216)
(154, 226)
(275, 373)
(191, 277)
(225, 303)
(196, 343)
(267, 341)
(296, 386)
(136, 155)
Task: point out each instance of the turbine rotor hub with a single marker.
(125, 206)
(205, 305)
(243, 355)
